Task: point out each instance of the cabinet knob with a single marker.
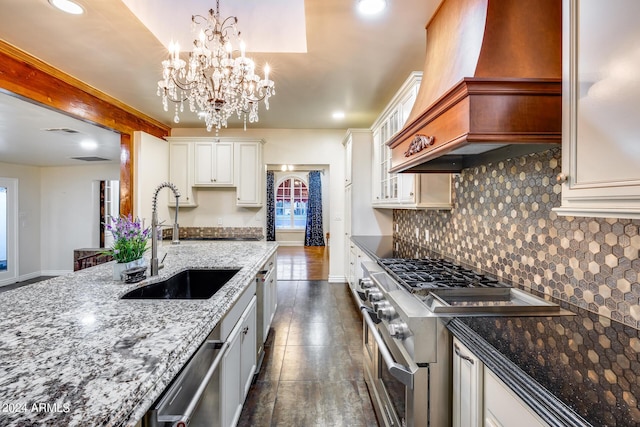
(561, 178)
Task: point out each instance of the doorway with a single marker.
(8, 230)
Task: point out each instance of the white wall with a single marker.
(283, 146)
(69, 212)
(28, 217)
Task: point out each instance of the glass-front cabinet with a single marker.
(403, 190)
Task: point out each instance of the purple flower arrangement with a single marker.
(130, 238)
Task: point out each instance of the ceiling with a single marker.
(351, 63)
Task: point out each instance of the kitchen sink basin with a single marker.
(188, 284)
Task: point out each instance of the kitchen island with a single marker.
(73, 353)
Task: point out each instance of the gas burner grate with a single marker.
(423, 275)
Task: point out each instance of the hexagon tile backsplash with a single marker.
(502, 223)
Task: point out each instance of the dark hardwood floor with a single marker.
(312, 373)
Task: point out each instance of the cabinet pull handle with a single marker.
(562, 178)
(388, 414)
(462, 356)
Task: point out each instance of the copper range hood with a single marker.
(491, 86)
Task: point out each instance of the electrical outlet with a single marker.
(426, 235)
(397, 228)
(219, 221)
(417, 233)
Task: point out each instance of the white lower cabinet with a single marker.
(502, 408)
(467, 387)
(238, 365)
(480, 398)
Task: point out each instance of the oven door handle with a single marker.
(400, 372)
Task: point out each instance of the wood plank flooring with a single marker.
(303, 263)
(312, 374)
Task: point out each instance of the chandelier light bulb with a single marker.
(217, 80)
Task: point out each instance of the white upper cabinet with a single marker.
(601, 99)
(213, 164)
(249, 172)
(181, 172)
(231, 162)
(403, 190)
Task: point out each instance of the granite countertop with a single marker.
(73, 353)
(580, 370)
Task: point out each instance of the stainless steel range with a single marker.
(407, 348)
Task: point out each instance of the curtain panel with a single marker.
(314, 234)
(271, 207)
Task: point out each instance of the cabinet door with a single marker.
(407, 188)
(230, 378)
(203, 160)
(248, 350)
(348, 147)
(181, 171)
(600, 154)
(467, 387)
(249, 173)
(502, 408)
(213, 164)
(223, 163)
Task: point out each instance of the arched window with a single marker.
(291, 203)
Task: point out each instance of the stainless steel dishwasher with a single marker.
(193, 399)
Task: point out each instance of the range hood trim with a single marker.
(473, 131)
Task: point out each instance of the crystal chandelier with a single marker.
(218, 80)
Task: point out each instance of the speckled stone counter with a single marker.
(73, 353)
(572, 370)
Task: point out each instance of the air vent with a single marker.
(91, 159)
(62, 130)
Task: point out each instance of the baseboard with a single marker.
(55, 272)
(22, 278)
(7, 282)
(337, 279)
(290, 243)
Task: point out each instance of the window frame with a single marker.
(291, 200)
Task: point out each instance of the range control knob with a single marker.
(366, 283)
(374, 296)
(399, 330)
(385, 311)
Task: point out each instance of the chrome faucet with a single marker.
(155, 227)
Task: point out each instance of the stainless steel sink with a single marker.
(491, 302)
(188, 284)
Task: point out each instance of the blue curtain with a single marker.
(314, 234)
(271, 207)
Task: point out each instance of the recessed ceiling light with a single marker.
(371, 7)
(338, 115)
(88, 145)
(67, 6)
